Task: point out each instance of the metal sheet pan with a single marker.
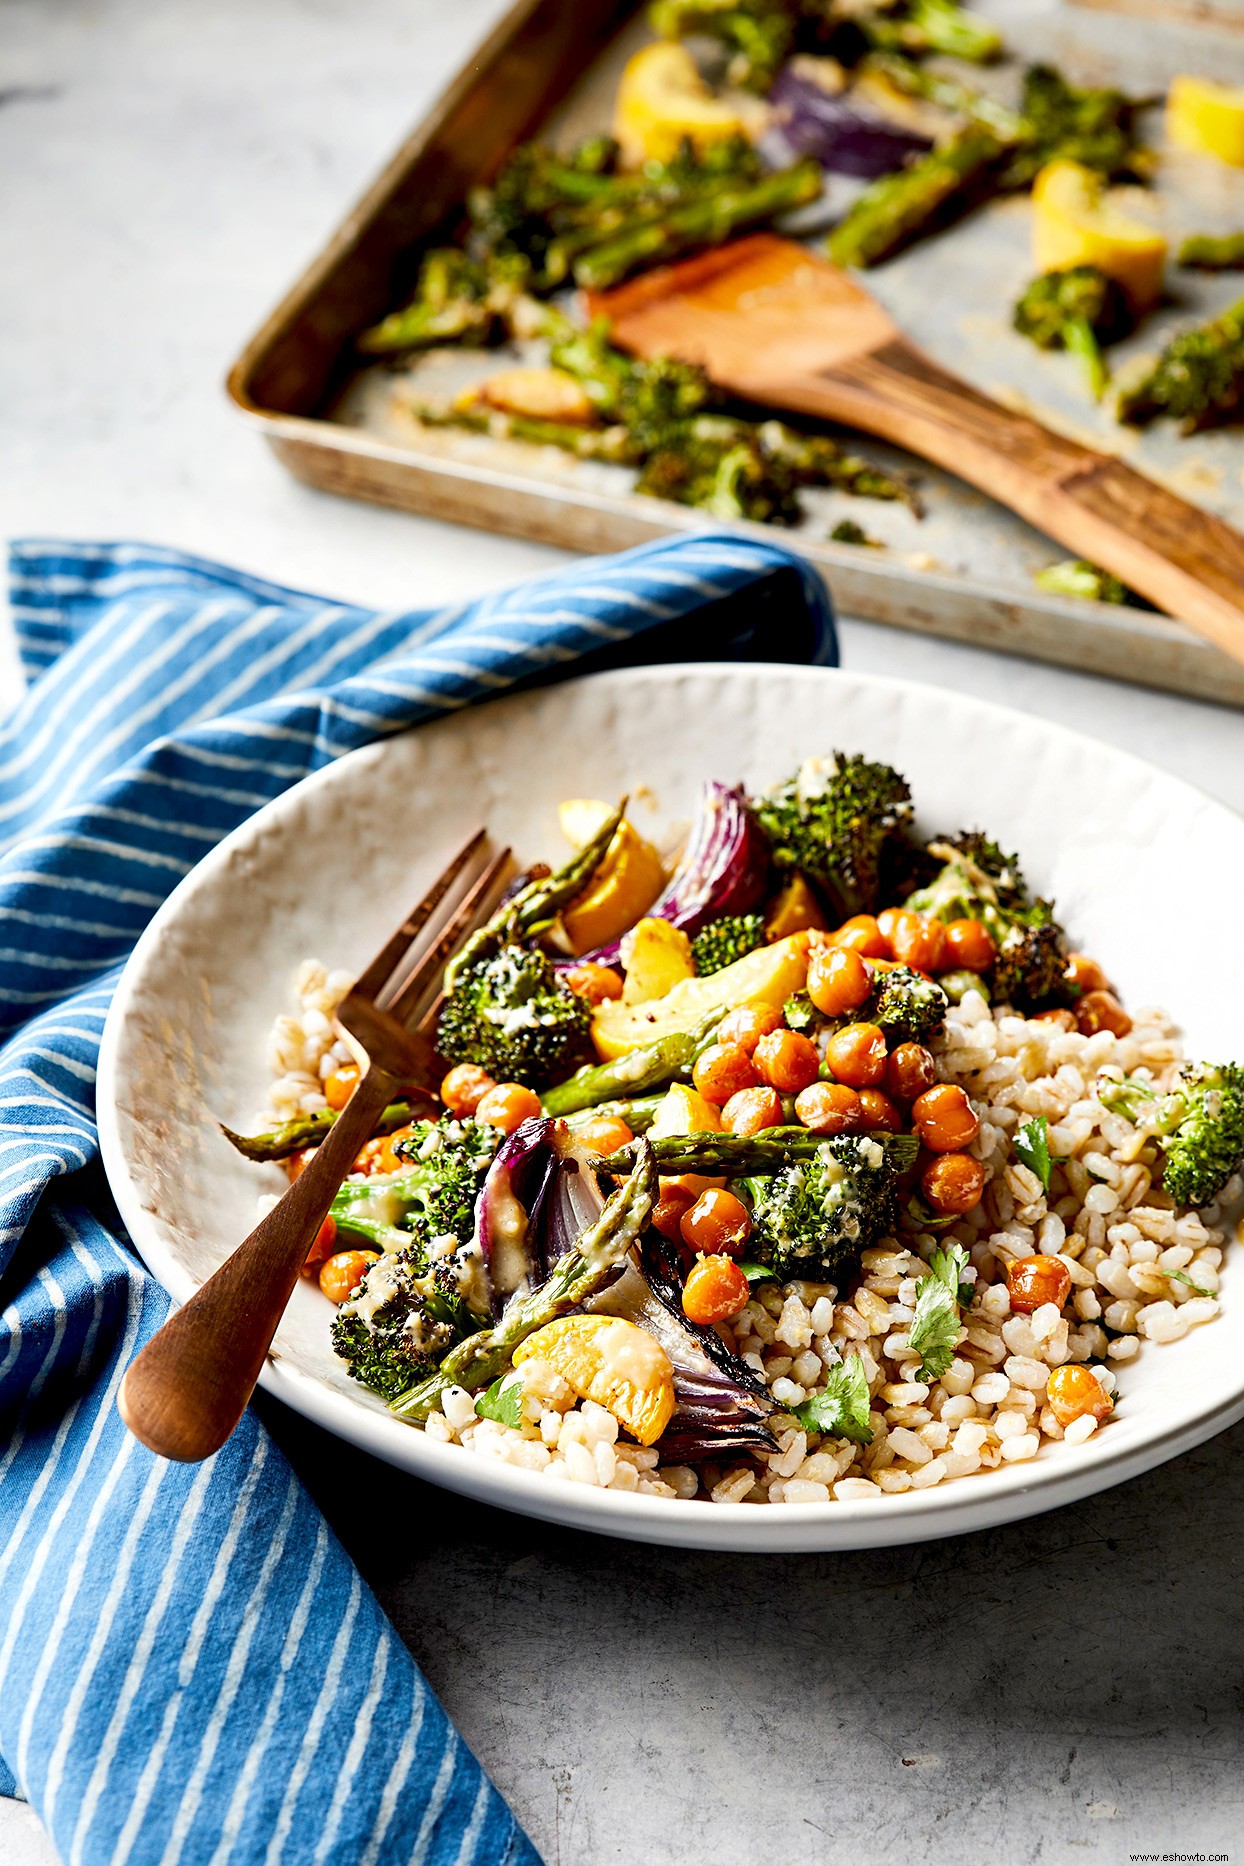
(965, 571)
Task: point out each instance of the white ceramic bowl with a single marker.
(1148, 874)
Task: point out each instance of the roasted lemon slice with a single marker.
(663, 100)
(1073, 225)
(612, 1362)
(1207, 117)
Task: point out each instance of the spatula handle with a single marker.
(1183, 559)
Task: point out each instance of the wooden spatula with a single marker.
(770, 321)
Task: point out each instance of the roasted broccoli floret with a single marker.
(718, 464)
(799, 1013)
(835, 821)
(815, 1216)
(846, 531)
(933, 26)
(1079, 309)
(1197, 381)
(757, 35)
(1075, 576)
(723, 941)
(816, 460)
(514, 1017)
(456, 300)
(978, 881)
(908, 1006)
(1199, 1125)
(1094, 126)
(435, 1191)
(415, 1302)
(1213, 252)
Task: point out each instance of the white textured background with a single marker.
(1067, 1690)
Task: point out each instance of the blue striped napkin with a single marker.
(191, 1669)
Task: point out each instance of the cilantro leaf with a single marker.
(503, 1401)
(935, 1331)
(1033, 1147)
(758, 1273)
(841, 1411)
(1181, 1276)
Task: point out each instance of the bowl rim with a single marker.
(1013, 1491)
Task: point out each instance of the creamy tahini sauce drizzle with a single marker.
(507, 1235)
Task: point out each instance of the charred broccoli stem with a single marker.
(587, 1268)
(1213, 252)
(455, 300)
(1197, 381)
(1079, 309)
(899, 208)
(1199, 1125)
(723, 941)
(835, 821)
(612, 444)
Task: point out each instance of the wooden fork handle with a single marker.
(187, 1389)
(1183, 559)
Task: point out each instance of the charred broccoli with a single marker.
(1075, 576)
(1213, 252)
(933, 26)
(435, 1192)
(1094, 126)
(978, 881)
(716, 463)
(908, 1006)
(1199, 1125)
(455, 300)
(815, 1216)
(415, 1302)
(757, 35)
(723, 941)
(514, 1017)
(900, 207)
(1198, 380)
(1079, 310)
(835, 821)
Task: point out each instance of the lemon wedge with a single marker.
(661, 100)
(1207, 117)
(610, 1361)
(1072, 225)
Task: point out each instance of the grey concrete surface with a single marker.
(1065, 1690)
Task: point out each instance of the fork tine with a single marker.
(465, 917)
(391, 954)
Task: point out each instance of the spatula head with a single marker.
(756, 314)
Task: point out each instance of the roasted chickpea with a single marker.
(507, 1106)
(715, 1290)
(340, 1085)
(887, 922)
(878, 1111)
(465, 1087)
(752, 1110)
(969, 946)
(945, 1119)
(723, 1071)
(919, 942)
(1075, 1393)
(862, 934)
(838, 980)
(608, 1133)
(829, 1108)
(341, 1274)
(787, 1061)
(1085, 972)
(321, 1247)
(1101, 1010)
(593, 982)
(670, 1210)
(909, 1071)
(856, 1055)
(1033, 1281)
(382, 1155)
(743, 1028)
(717, 1224)
(297, 1163)
(953, 1182)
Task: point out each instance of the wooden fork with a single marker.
(187, 1389)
